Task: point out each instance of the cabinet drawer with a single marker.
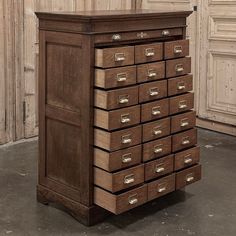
(116, 119)
(183, 121)
(161, 187)
(112, 161)
(187, 158)
(180, 85)
(159, 167)
(115, 77)
(156, 129)
(178, 67)
(181, 103)
(113, 57)
(184, 140)
(116, 98)
(157, 148)
(175, 49)
(152, 91)
(150, 72)
(112, 141)
(119, 203)
(188, 176)
(154, 110)
(148, 52)
(120, 180)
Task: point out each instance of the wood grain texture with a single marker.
(115, 182)
(112, 161)
(159, 167)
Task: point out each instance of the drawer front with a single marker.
(178, 67)
(121, 118)
(188, 176)
(180, 85)
(113, 141)
(181, 103)
(183, 121)
(187, 158)
(116, 98)
(115, 77)
(152, 91)
(120, 180)
(161, 187)
(112, 161)
(184, 140)
(119, 203)
(150, 72)
(148, 34)
(148, 52)
(113, 57)
(159, 167)
(154, 110)
(175, 49)
(157, 148)
(156, 129)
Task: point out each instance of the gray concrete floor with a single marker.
(206, 208)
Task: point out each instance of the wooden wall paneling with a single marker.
(112, 5)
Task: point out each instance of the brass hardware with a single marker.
(119, 57)
(179, 68)
(185, 141)
(126, 158)
(156, 111)
(159, 169)
(181, 85)
(153, 91)
(190, 177)
(123, 99)
(157, 131)
(142, 34)
(121, 77)
(184, 122)
(158, 149)
(125, 118)
(149, 52)
(128, 179)
(116, 37)
(166, 33)
(161, 190)
(152, 73)
(178, 49)
(183, 104)
(133, 199)
(126, 139)
(188, 160)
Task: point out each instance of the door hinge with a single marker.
(195, 8)
(24, 112)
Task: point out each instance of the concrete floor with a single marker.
(206, 208)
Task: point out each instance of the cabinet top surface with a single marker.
(112, 14)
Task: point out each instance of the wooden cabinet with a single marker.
(116, 126)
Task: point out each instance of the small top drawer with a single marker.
(113, 57)
(115, 77)
(175, 49)
(178, 67)
(148, 52)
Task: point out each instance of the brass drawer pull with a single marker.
(116, 37)
(142, 35)
(161, 190)
(183, 104)
(152, 73)
(184, 122)
(149, 52)
(190, 177)
(126, 158)
(128, 179)
(119, 57)
(126, 139)
(133, 199)
(181, 85)
(153, 91)
(121, 77)
(156, 111)
(123, 99)
(157, 131)
(178, 49)
(158, 149)
(125, 118)
(185, 141)
(179, 68)
(159, 169)
(166, 33)
(188, 160)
